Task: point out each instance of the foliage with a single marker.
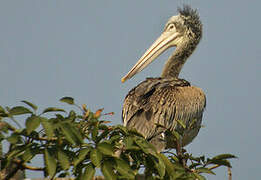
(78, 144)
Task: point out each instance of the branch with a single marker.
(12, 173)
(43, 138)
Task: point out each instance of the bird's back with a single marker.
(159, 104)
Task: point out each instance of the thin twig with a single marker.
(35, 138)
(45, 139)
(229, 173)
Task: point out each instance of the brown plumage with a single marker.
(159, 105)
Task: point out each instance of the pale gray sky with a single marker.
(50, 49)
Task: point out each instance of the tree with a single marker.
(76, 144)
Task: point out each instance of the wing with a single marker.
(165, 102)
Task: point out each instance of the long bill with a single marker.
(159, 46)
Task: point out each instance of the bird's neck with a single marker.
(176, 61)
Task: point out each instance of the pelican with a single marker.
(166, 104)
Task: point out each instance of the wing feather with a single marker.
(164, 102)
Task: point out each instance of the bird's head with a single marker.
(185, 29)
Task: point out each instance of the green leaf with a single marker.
(31, 105)
(88, 172)
(18, 152)
(69, 136)
(124, 169)
(72, 115)
(160, 166)
(14, 138)
(134, 132)
(199, 177)
(223, 162)
(48, 127)
(28, 155)
(175, 158)
(181, 123)
(144, 145)
(71, 133)
(169, 166)
(204, 170)
(95, 131)
(129, 144)
(68, 100)
(32, 123)
(106, 148)
(107, 171)
(50, 163)
(128, 141)
(96, 157)
(78, 136)
(103, 135)
(103, 127)
(15, 152)
(193, 165)
(18, 110)
(53, 109)
(176, 135)
(181, 175)
(224, 156)
(134, 148)
(114, 138)
(81, 156)
(59, 117)
(3, 114)
(63, 160)
(123, 129)
(2, 110)
(178, 166)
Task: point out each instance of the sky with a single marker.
(51, 49)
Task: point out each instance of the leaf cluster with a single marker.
(78, 144)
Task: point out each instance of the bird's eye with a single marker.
(171, 27)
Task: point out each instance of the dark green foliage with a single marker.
(78, 144)
(18, 110)
(67, 100)
(50, 162)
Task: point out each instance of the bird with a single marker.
(158, 107)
